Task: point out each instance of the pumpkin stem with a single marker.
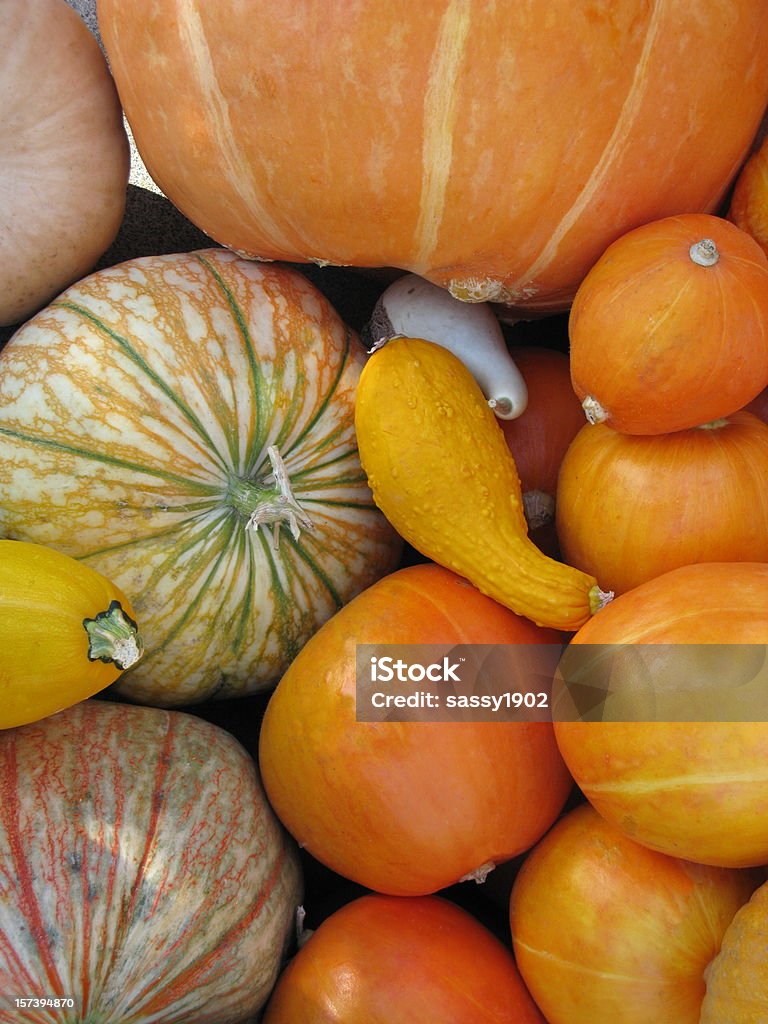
(480, 874)
(113, 637)
(704, 253)
(272, 504)
(714, 424)
(599, 598)
(539, 508)
(594, 412)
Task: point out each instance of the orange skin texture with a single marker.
(749, 202)
(406, 808)
(737, 979)
(606, 930)
(388, 960)
(696, 790)
(647, 320)
(540, 437)
(498, 148)
(631, 507)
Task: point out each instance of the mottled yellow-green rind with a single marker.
(440, 470)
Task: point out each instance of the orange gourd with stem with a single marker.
(669, 329)
(633, 507)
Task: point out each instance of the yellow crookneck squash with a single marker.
(440, 470)
(184, 424)
(66, 632)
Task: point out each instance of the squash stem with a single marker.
(113, 637)
(270, 502)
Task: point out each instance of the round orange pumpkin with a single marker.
(605, 930)
(669, 329)
(539, 438)
(749, 201)
(694, 788)
(443, 138)
(389, 960)
(64, 156)
(737, 978)
(407, 807)
(630, 508)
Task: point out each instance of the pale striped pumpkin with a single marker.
(144, 876)
(140, 417)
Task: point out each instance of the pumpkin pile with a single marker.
(472, 379)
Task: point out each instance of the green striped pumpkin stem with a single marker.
(270, 502)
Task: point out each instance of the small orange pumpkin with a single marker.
(539, 438)
(605, 930)
(669, 329)
(407, 807)
(693, 789)
(391, 960)
(630, 508)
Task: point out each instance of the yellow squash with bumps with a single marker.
(441, 472)
(66, 632)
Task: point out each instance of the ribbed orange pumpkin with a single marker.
(693, 789)
(630, 508)
(407, 808)
(390, 960)
(606, 931)
(444, 138)
(669, 329)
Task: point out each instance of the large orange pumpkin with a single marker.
(669, 329)
(407, 807)
(693, 783)
(630, 508)
(606, 931)
(495, 149)
(389, 960)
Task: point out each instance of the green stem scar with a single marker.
(270, 502)
(113, 637)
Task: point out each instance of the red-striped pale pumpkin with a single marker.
(145, 877)
(443, 138)
(137, 416)
(63, 153)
